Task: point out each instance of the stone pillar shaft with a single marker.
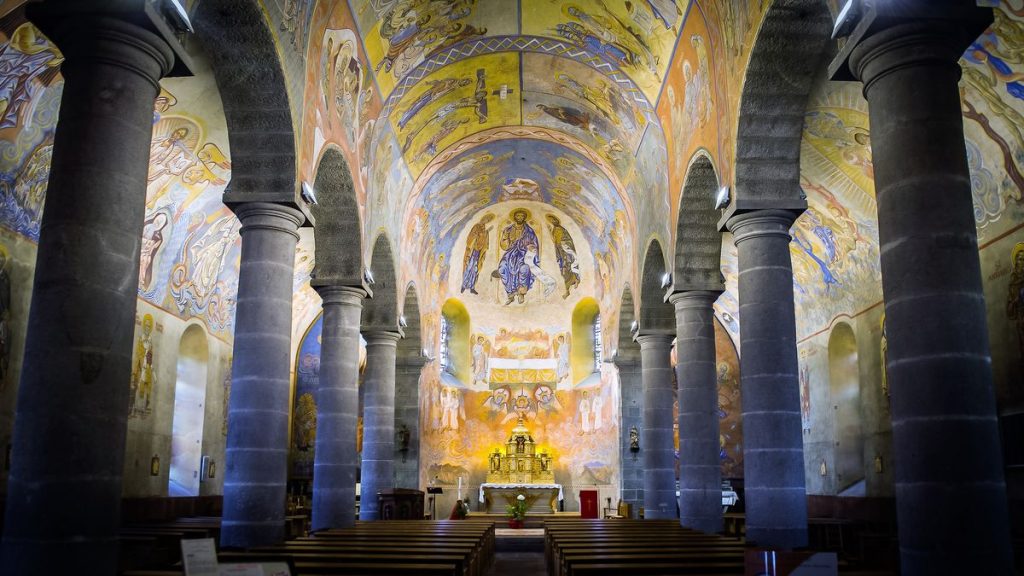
(773, 459)
(337, 403)
(657, 441)
(700, 470)
(64, 494)
(378, 420)
(950, 489)
(257, 445)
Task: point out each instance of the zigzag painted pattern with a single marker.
(539, 44)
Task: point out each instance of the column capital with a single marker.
(920, 43)
(656, 339)
(269, 216)
(88, 39)
(331, 294)
(384, 337)
(694, 298)
(892, 35)
(761, 223)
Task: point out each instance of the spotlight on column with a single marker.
(179, 15)
(847, 19)
(722, 198)
(402, 323)
(308, 194)
(368, 276)
(666, 280)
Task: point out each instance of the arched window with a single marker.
(586, 339)
(446, 338)
(454, 340)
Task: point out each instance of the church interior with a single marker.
(316, 278)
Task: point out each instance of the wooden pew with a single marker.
(621, 546)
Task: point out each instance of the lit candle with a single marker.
(460, 487)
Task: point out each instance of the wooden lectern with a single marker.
(588, 503)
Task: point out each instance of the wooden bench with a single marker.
(622, 546)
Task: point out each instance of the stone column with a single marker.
(656, 433)
(630, 379)
(64, 494)
(950, 491)
(378, 420)
(773, 458)
(700, 470)
(257, 445)
(337, 403)
(408, 367)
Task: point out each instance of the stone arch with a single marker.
(236, 34)
(380, 312)
(698, 250)
(789, 51)
(337, 232)
(656, 315)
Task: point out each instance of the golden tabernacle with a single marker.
(520, 464)
(520, 471)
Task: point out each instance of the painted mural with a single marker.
(307, 379)
(30, 90)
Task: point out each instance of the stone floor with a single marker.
(518, 564)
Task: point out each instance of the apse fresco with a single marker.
(525, 170)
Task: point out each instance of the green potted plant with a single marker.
(516, 512)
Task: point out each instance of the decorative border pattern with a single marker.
(538, 44)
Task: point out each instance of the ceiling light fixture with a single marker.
(847, 19)
(182, 15)
(308, 194)
(722, 198)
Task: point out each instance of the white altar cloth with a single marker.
(514, 486)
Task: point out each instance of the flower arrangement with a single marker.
(517, 509)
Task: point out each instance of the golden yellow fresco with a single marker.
(636, 37)
(469, 96)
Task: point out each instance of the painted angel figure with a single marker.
(562, 369)
(481, 360)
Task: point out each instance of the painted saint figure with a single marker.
(142, 371)
(1015, 295)
(565, 253)
(152, 239)
(476, 249)
(517, 239)
(584, 414)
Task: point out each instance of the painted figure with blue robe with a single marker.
(517, 240)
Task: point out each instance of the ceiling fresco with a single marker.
(519, 169)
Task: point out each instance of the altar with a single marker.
(540, 498)
(520, 470)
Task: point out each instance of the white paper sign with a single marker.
(199, 557)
